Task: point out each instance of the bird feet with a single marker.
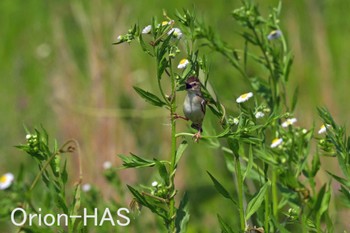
(197, 136)
(176, 116)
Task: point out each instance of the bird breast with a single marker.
(192, 108)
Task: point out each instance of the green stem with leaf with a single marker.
(172, 191)
(240, 192)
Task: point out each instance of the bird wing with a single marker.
(203, 103)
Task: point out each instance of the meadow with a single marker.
(88, 99)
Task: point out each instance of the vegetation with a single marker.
(257, 167)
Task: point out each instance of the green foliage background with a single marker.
(59, 69)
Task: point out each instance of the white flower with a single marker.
(28, 136)
(146, 29)
(244, 97)
(183, 64)
(176, 33)
(119, 38)
(154, 183)
(274, 35)
(276, 142)
(6, 181)
(107, 165)
(235, 121)
(289, 122)
(86, 187)
(259, 115)
(323, 129)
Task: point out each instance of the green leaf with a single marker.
(64, 174)
(220, 188)
(341, 180)
(346, 193)
(140, 199)
(295, 99)
(315, 165)
(61, 202)
(249, 38)
(255, 203)
(134, 161)
(163, 64)
(76, 202)
(322, 201)
(225, 228)
(162, 171)
(143, 201)
(182, 215)
(234, 146)
(163, 48)
(144, 46)
(250, 162)
(149, 97)
(266, 157)
(180, 150)
(289, 62)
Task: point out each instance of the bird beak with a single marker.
(188, 86)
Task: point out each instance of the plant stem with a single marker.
(267, 212)
(42, 171)
(240, 192)
(172, 209)
(274, 193)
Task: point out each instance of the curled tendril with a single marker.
(69, 147)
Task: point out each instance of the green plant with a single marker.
(273, 160)
(262, 145)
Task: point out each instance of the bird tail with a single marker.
(197, 127)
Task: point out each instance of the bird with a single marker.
(194, 105)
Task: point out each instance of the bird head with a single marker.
(193, 84)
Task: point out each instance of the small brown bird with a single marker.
(194, 105)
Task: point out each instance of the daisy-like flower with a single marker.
(177, 33)
(86, 187)
(289, 122)
(146, 29)
(183, 64)
(323, 129)
(276, 142)
(244, 97)
(154, 184)
(259, 115)
(164, 23)
(107, 165)
(6, 180)
(275, 34)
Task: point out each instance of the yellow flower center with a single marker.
(275, 140)
(3, 179)
(164, 23)
(244, 96)
(183, 61)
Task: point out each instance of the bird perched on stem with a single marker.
(194, 105)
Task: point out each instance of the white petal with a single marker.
(147, 29)
(6, 181)
(276, 142)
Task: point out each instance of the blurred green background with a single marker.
(59, 69)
